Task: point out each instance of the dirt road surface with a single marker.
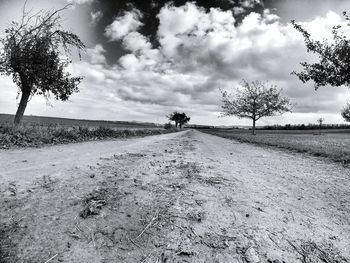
(182, 197)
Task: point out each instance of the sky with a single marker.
(146, 59)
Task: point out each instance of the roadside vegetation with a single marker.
(40, 134)
(332, 144)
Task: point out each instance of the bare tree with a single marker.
(36, 53)
(334, 65)
(254, 100)
(179, 118)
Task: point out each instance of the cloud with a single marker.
(250, 3)
(134, 41)
(95, 17)
(124, 25)
(199, 52)
(80, 2)
(237, 10)
(96, 54)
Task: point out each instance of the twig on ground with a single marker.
(93, 238)
(183, 217)
(144, 260)
(19, 220)
(132, 241)
(178, 226)
(295, 247)
(51, 258)
(274, 241)
(149, 224)
(192, 230)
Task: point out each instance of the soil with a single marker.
(180, 197)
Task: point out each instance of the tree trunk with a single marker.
(22, 107)
(253, 130)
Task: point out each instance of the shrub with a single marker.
(168, 126)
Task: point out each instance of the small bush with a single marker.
(83, 132)
(65, 135)
(168, 126)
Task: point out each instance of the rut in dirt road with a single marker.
(186, 197)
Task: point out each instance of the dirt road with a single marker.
(25, 165)
(184, 197)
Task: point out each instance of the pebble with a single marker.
(252, 256)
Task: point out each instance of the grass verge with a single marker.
(39, 135)
(334, 146)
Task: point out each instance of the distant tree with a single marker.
(254, 100)
(346, 113)
(179, 118)
(35, 52)
(334, 65)
(320, 122)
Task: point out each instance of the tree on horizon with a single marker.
(180, 119)
(254, 100)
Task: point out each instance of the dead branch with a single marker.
(149, 224)
(51, 258)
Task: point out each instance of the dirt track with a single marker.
(184, 197)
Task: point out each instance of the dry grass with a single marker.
(311, 252)
(334, 146)
(93, 203)
(37, 135)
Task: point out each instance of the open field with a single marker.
(179, 197)
(37, 131)
(64, 122)
(333, 144)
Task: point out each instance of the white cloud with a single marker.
(124, 25)
(96, 54)
(238, 10)
(95, 17)
(79, 2)
(136, 42)
(250, 3)
(201, 51)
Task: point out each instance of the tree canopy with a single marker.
(254, 100)
(36, 54)
(179, 118)
(333, 67)
(346, 113)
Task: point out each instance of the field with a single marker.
(65, 122)
(36, 131)
(333, 144)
